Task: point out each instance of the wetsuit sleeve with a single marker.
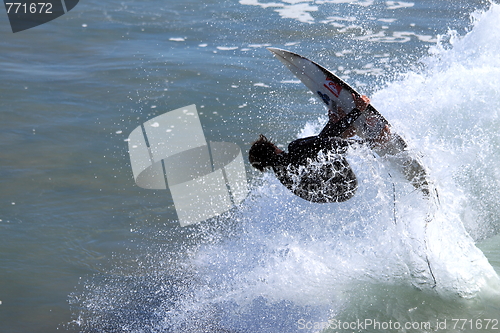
(325, 180)
(309, 147)
(336, 129)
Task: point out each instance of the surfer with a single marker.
(314, 168)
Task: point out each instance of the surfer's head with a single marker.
(263, 153)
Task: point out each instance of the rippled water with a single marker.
(84, 249)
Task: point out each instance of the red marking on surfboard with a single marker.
(334, 87)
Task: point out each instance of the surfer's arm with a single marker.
(336, 128)
(361, 102)
(340, 123)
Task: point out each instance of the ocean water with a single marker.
(83, 249)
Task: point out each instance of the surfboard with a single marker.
(335, 93)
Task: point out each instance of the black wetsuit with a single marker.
(315, 168)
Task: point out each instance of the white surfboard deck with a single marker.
(334, 92)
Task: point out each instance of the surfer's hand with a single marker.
(361, 101)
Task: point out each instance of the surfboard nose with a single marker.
(280, 53)
(273, 49)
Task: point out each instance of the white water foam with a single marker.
(453, 106)
(454, 110)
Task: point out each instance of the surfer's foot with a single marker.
(349, 133)
(361, 101)
(384, 136)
